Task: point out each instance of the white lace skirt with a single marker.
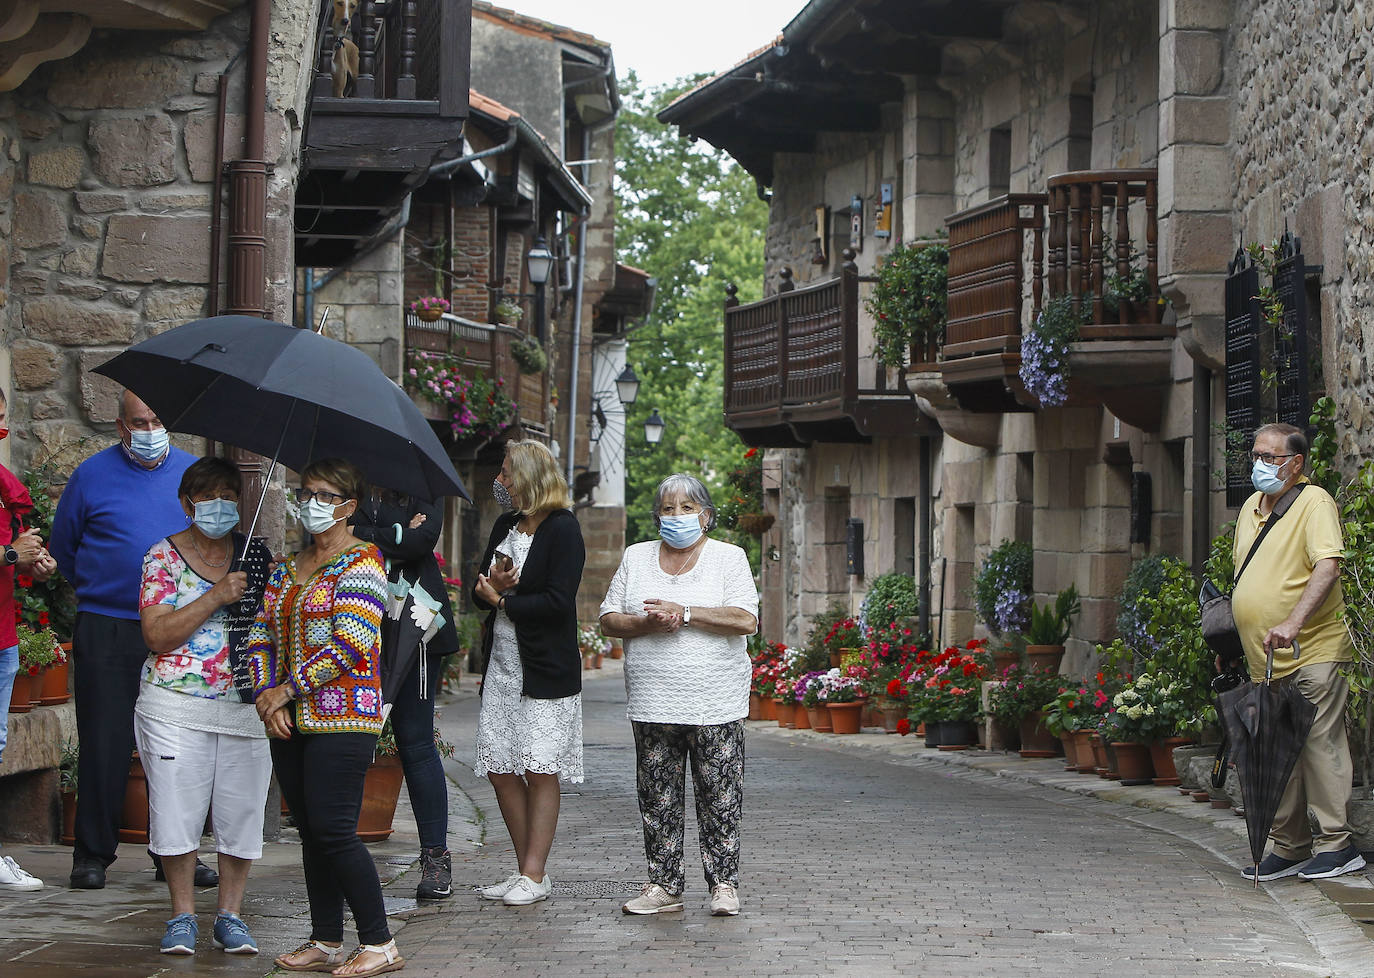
(517, 733)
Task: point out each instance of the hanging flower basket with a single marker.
(429, 308)
(755, 524)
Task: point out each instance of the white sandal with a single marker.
(394, 961)
(333, 958)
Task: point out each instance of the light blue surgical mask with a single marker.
(680, 532)
(1265, 477)
(149, 446)
(216, 517)
(317, 517)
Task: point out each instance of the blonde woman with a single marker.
(529, 730)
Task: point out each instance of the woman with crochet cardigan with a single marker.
(314, 651)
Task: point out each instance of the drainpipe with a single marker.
(927, 522)
(248, 182)
(1202, 469)
(577, 315)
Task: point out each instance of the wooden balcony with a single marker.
(365, 151)
(482, 349)
(792, 370)
(1092, 236)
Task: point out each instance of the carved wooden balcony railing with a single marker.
(366, 150)
(792, 369)
(1093, 236)
(480, 349)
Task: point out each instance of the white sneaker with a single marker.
(527, 891)
(12, 877)
(497, 890)
(654, 899)
(724, 900)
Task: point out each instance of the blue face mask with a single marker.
(680, 532)
(1265, 477)
(149, 446)
(216, 517)
(317, 517)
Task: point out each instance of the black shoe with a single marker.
(436, 874)
(1274, 867)
(1325, 865)
(87, 875)
(205, 876)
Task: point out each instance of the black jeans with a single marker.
(412, 719)
(107, 659)
(321, 778)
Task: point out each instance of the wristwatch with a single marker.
(11, 556)
(686, 614)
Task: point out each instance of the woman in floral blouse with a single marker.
(197, 733)
(314, 660)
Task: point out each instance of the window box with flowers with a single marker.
(476, 408)
(429, 308)
(909, 304)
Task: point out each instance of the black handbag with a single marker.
(1218, 623)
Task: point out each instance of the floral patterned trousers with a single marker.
(717, 756)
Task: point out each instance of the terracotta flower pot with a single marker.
(1083, 742)
(428, 314)
(844, 717)
(820, 719)
(1070, 751)
(755, 709)
(1044, 658)
(1133, 762)
(801, 720)
(133, 822)
(21, 699)
(1002, 661)
(598, 659)
(782, 712)
(1101, 764)
(1036, 741)
(891, 717)
(381, 789)
(52, 689)
(1162, 757)
(767, 711)
(617, 652)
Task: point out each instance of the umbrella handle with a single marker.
(1269, 665)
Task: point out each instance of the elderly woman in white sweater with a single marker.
(683, 605)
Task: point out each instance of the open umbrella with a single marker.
(289, 394)
(1267, 725)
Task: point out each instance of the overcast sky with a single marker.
(664, 41)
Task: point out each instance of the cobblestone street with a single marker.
(863, 856)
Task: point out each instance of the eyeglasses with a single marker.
(1268, 459)
(304, 496)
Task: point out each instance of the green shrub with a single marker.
(1146, 577)
(890, 598)
(1002, 587)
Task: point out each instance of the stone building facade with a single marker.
(1251, 115)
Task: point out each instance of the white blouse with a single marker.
(689, 676)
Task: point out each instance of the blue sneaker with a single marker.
(232, 935)
(181, 935)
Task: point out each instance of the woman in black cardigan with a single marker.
(529, 730)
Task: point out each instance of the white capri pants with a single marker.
(192, 772)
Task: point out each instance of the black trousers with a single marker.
(107, 659)
(321, 778)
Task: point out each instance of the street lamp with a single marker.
(627, 386)
(538, 264)
(653, 428)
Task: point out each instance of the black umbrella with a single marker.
(290, 394)
(1267, 725)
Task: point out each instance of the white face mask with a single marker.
(317, 517)
(216, 517)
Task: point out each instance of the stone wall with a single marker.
(105, 207)
(365, 305)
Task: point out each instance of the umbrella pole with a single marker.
(267, 481)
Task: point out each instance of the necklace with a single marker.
(229, 551)
(685, 565)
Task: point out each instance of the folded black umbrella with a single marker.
(289, 394)
(1267, 725)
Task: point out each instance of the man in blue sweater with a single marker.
(118, 503)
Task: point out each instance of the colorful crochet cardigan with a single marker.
(322, 636)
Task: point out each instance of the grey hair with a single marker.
(680, 483)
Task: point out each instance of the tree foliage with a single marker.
(691, 218)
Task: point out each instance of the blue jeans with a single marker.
(412, 720)
(9, 668)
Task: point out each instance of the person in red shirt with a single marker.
(23, 553)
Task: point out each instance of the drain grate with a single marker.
(597, 888)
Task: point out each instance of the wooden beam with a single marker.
(17, 18)
(53, 37)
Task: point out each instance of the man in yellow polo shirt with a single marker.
(1292, 590)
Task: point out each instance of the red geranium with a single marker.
(904, 726)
